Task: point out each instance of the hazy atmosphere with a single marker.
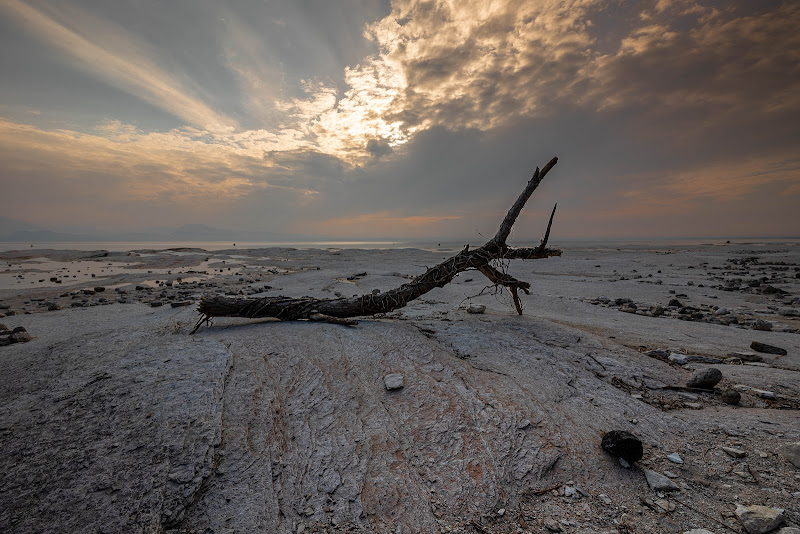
(368, 119)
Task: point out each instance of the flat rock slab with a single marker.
(659, 482)
(791, 451)
(760, 519)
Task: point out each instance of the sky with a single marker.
(402, 118)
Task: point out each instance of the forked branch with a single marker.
(341, 309)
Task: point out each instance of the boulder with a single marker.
(705, 378)
(760, 519)
(623, 444)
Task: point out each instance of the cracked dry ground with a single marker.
(287, 427)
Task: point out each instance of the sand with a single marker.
(113, 418)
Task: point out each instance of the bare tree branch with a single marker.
(334, 310)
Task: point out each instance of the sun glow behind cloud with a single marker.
(445, 65)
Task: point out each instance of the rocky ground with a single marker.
(431, 419)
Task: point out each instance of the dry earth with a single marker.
(114, 419)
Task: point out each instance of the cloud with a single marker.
(52, 171)
(109, 52)
(662, 104)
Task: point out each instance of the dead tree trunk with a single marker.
(341, 309)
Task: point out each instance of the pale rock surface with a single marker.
(659, 482)
(758, 519)
(791, 451)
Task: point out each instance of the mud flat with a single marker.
(114, 419)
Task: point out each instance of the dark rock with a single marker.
(99, 289)
(180, 304)
(746, 356)
(676, 303)
(705, 378)
(156, 304)
(769, 349)
(731, 396)
(771, 290)
(4, 341)
(623, 444)
(19, 335)
(763, 325)
(4, 329)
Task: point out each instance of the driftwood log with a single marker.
(341, 310)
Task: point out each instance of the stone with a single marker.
(731, 396)
(624, 445)
(665, 505)
(789, 530)
(680, 359)
(746, 356)
(675, 303)
(4, 341)
(4, 330)
(683, 359)
(734, 452)
(697, 531)
(675, 458)
(791, 451)
(569, 491)
(393, 381)
(670, 474)
(705, 378)
(763, 325)
(605, 499)
(19, 335)
(552, 526)
(760, 519)
(476, 308)
(659, 482)
(769, 349)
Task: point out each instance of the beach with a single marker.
(495, 424)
